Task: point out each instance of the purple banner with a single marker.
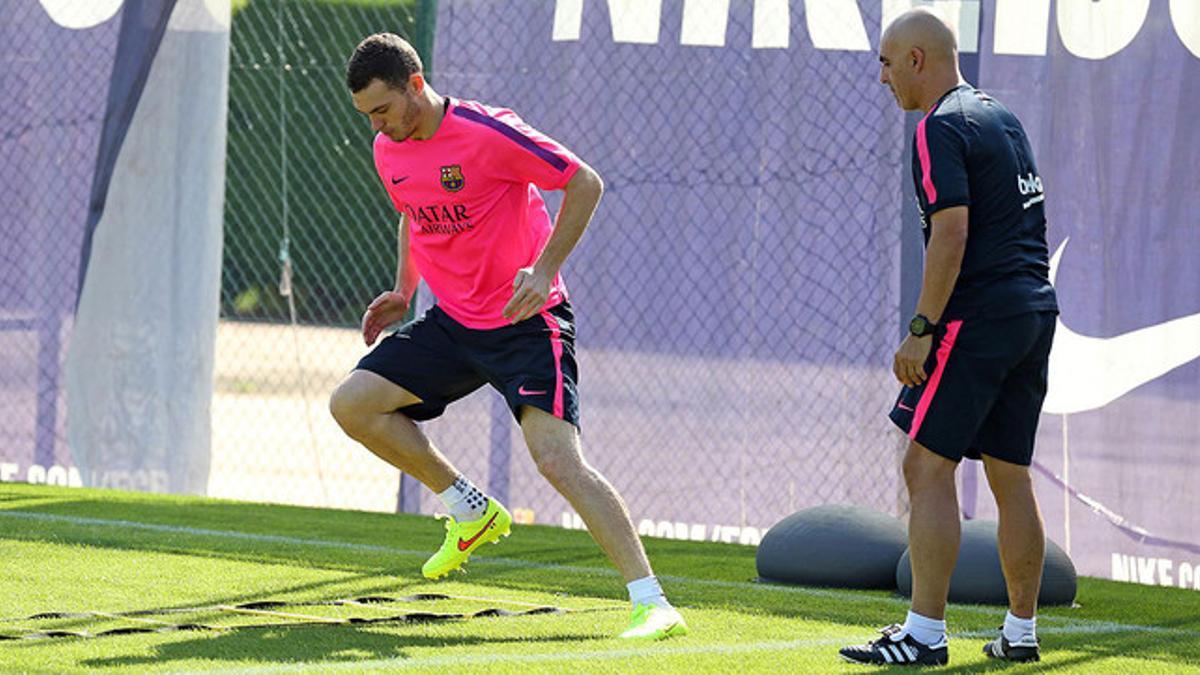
(1108, 112)
(77, 70)
(52, 112)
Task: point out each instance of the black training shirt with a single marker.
(971, 151)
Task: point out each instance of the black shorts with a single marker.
(987, 380)
(440, 361)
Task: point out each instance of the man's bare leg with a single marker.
(934, 530)
(557, 451)
(1021, 536)
(1022, 542)
(365, 406)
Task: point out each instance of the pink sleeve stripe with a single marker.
(943, 355)
(557, 348)
(521, 139)
(923, 155)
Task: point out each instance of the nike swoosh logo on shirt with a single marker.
(464, 544)
(525, 392)
(397, 181)
(1090, 372)
(904, 407)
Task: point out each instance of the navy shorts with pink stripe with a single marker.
(984, 391)
(531, 363)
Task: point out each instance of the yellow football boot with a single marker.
(463, 538)
(651, 622)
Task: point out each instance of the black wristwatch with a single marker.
(920, 326)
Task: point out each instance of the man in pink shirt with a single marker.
(465, 178)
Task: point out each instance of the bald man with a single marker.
(973, 367)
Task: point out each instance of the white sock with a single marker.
(647, 591)
(1016, 628)
(464, 501)
(923, 629)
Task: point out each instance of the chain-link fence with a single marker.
(309, 240)
(736, 293)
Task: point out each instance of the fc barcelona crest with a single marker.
(452, 178)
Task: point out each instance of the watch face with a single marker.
(918, 326)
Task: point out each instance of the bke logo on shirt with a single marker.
(452, 178)
(1031, 184)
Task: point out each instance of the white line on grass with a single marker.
(849, 596)
(196, 531)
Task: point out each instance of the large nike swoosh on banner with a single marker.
(1090, 372)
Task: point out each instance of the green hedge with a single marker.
(299, 160)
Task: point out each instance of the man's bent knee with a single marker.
(1007, 479)
(558, 463)
(924, 468)
(361, 397)
(346, 410)
(554, 445)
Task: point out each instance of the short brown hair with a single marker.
(383, 56)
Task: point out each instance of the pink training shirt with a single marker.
(475, 216)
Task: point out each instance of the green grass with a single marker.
(74, 550)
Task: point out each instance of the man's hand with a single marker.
(909, 362)
(530, 291)
(383, 311)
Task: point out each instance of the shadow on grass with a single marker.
(9, 497)
(308, 644)
(1083, 651)
(21, 625)
(1077, 650)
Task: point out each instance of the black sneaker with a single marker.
(897, 648)
(1025, 649)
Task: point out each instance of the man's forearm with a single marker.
(406, 281)
(943, 260)
(582, 194)
(406, 274)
